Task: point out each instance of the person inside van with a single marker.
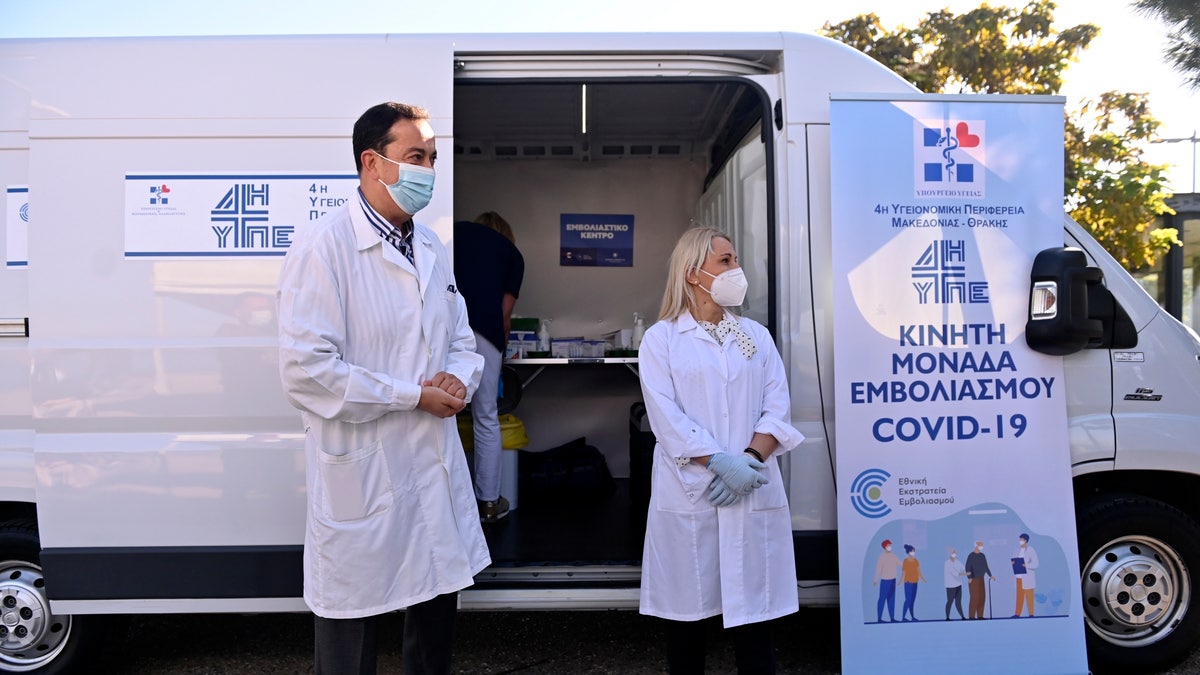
(718, 530)
(489, 270)
(376, 352)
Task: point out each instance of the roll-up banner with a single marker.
(956, 525)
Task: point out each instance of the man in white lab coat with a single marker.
(376, 352)
(1024, 563)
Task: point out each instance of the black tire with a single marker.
(33, 640)
(1140, 569)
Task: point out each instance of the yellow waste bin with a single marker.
(512, 439)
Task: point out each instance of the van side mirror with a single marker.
(1059, 321)
(1119, 332)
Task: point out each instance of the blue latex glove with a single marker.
(741, 473)
(719, 493)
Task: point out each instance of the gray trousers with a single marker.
(486, 420)
(351, 646)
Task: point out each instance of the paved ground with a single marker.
(486, 642)
(491, 643)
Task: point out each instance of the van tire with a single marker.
(1140, 569)
(47, 644)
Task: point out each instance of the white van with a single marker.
(150, 463)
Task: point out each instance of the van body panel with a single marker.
(1154, 401)
(255, 77)
(170, 489)
(16, 467)
(810, 77)
(16, 410)
(159, 419)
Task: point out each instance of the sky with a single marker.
(1126, 56)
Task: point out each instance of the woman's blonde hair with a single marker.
(690, 252)
(494, 221)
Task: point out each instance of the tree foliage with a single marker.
(1110, 189)
(1183, 41)
(1001, 50)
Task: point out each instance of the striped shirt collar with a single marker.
(386, 230)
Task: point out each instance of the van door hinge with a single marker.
(779, 114)
(14, 327)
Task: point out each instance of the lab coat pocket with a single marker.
(357, 484)
(771, 496)
(450, 315)
(681, 489)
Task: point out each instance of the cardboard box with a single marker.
(520, 343)
(577, 348)
(524, 323)
(594, 348)
(566, 348)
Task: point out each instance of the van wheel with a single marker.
(1140, 569)
(32, 639)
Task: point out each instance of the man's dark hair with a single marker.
(373, 129)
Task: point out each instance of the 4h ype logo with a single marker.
(158, 194)
(240, 219)
(940, 275)
(950, 158)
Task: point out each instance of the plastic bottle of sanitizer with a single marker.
(639, 329)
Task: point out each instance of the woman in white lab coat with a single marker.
(718, 531)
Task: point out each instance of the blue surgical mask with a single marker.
(413, 189)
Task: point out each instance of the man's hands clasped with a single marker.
(443, 396)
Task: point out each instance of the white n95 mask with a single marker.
(728, 288)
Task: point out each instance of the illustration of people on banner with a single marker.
(1035, 588)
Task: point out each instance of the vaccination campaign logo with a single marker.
(866, 493)
(950, 158)
(939, 275)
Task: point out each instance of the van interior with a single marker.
(670, 152)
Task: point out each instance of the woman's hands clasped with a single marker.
(736, 475)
